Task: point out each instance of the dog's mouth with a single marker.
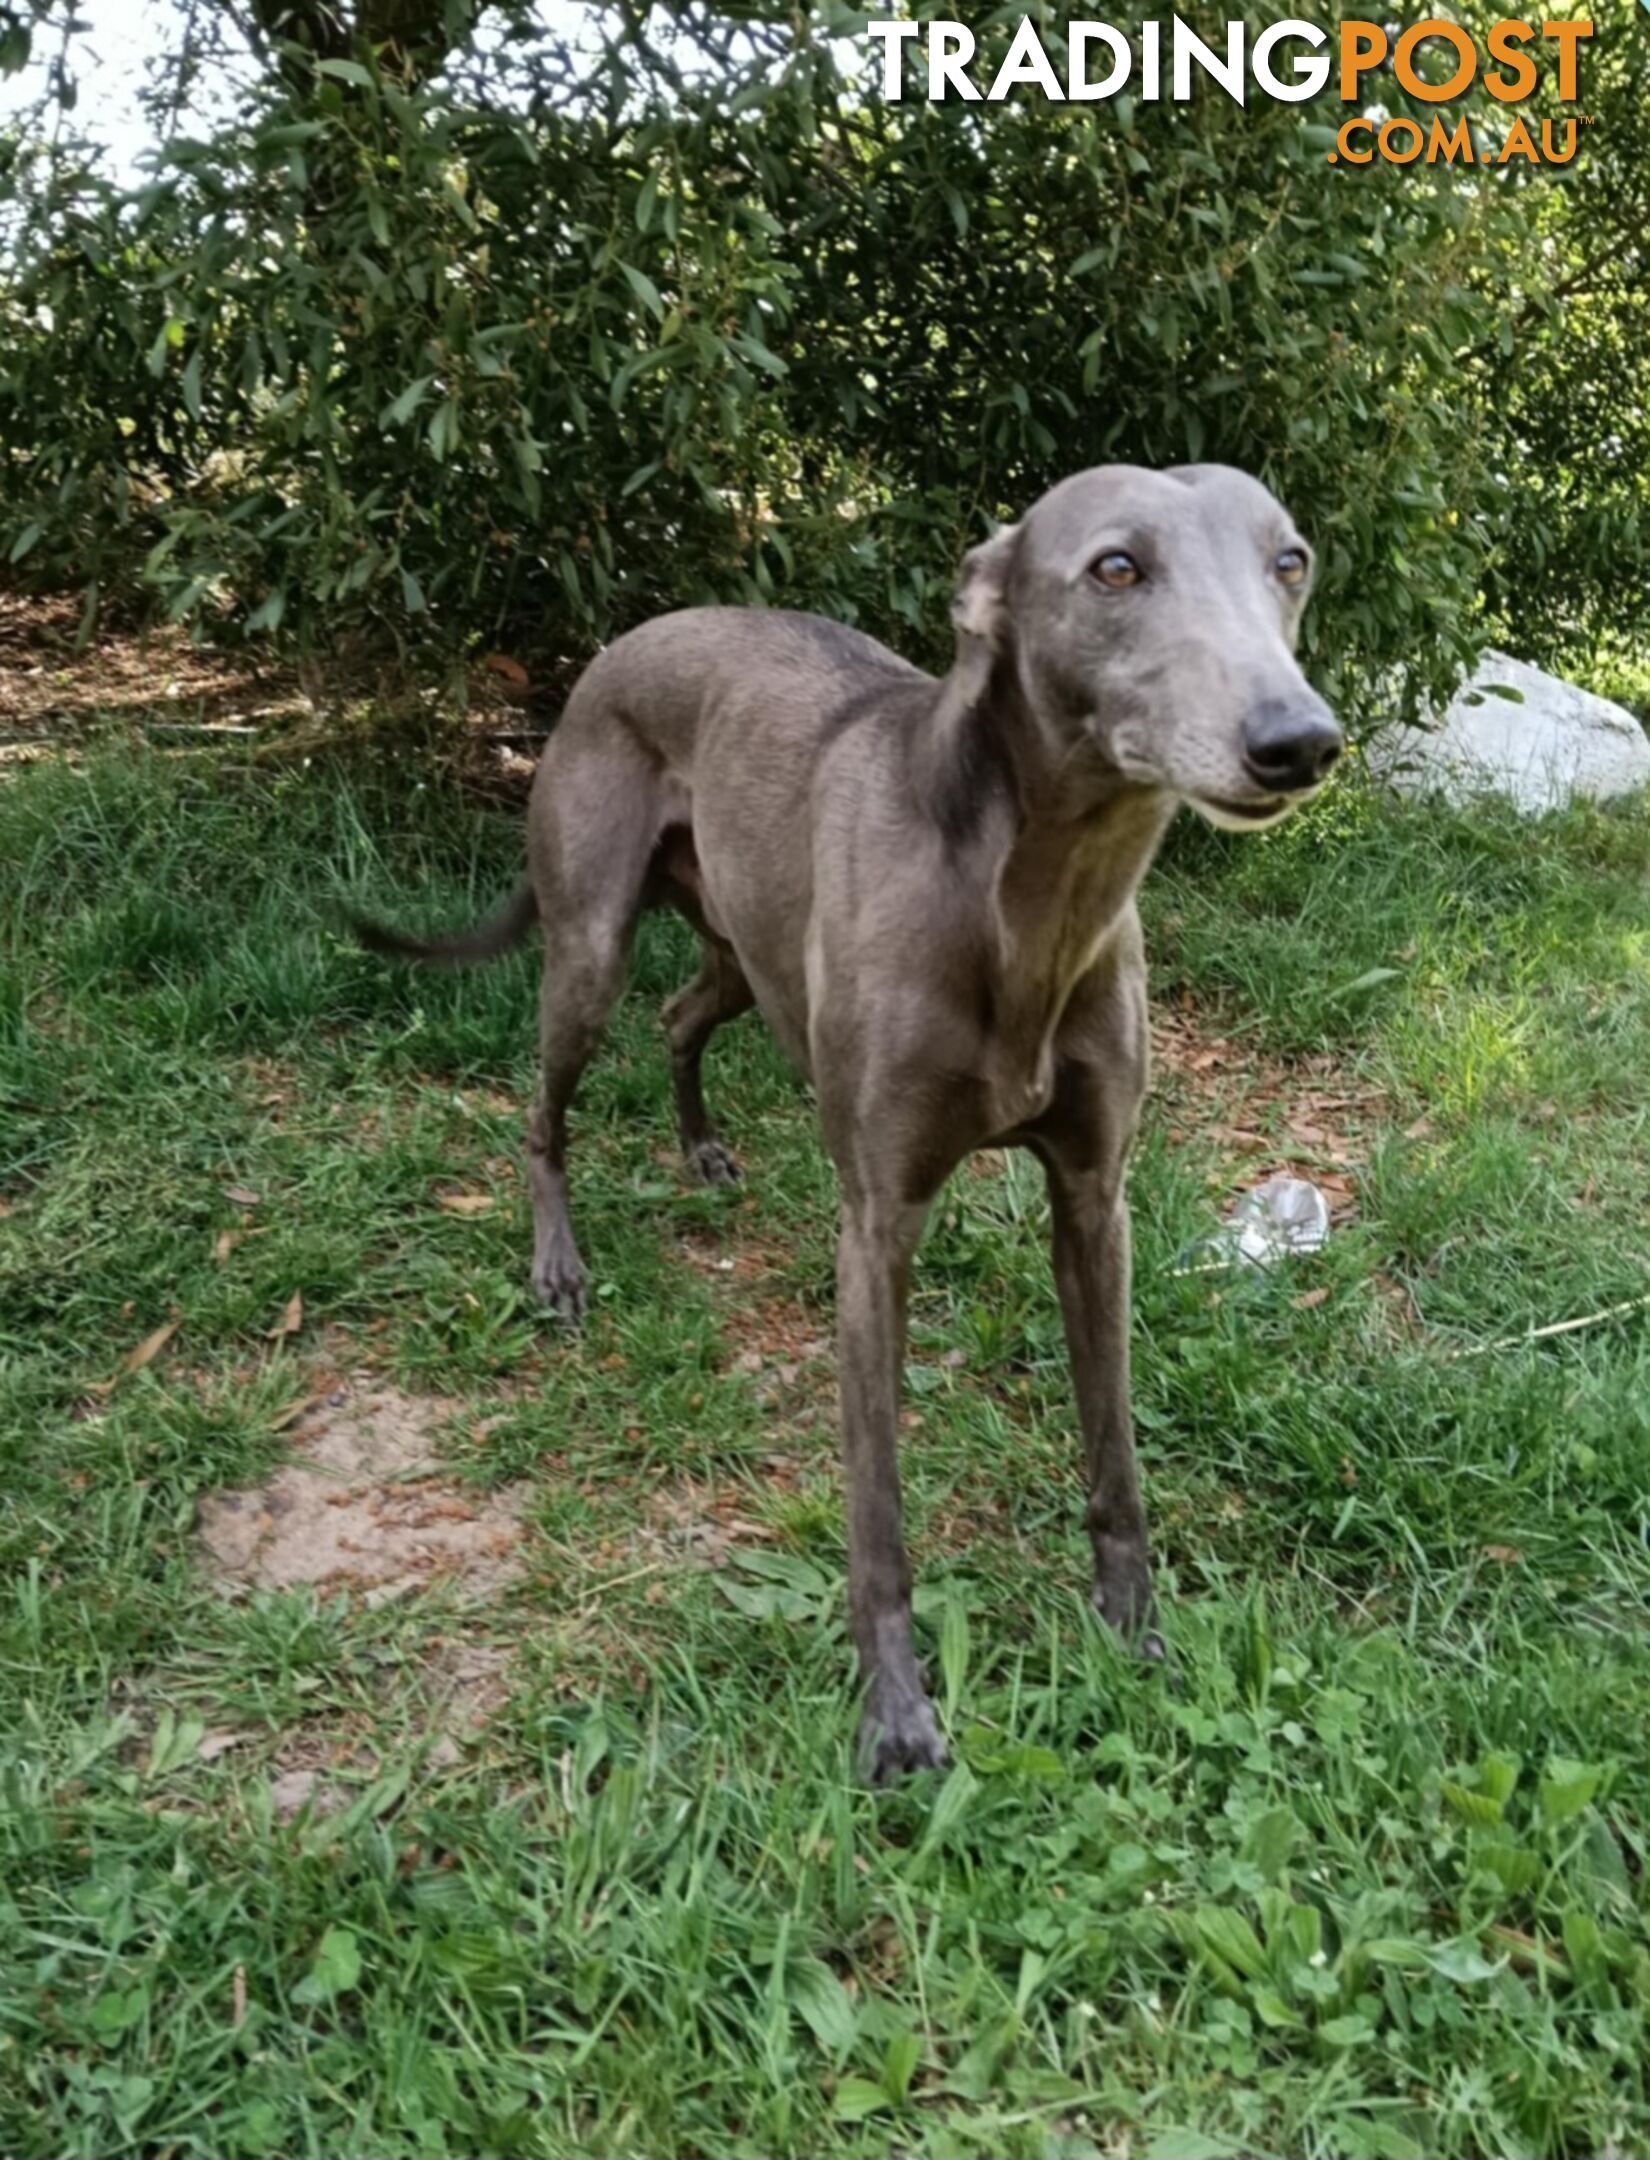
(1252, 810)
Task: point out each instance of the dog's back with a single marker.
(732, 723)
(697, 686)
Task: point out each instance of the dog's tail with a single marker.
(459, 948)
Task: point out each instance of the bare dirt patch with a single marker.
(365, 1506)
(466, 1683)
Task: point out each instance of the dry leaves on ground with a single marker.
(292, 1318)
(134, 1361)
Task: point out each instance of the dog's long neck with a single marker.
(1062, 844)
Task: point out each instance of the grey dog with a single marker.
(928, 889)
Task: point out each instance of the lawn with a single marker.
(1362, 1873)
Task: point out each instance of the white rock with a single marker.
(1547, 743)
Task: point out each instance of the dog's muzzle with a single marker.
(1290, 745)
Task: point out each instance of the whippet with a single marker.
(927, 887)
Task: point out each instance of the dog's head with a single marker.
(1151, 621)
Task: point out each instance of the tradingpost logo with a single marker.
(1435, 61)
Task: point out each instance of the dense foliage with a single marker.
(519, 344)
(1567, 389)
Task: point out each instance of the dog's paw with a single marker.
(713, 1164)
(1122, 1597)
(897, 1733)
(562, 1290)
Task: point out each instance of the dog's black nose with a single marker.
(1289, 745)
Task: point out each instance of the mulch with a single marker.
(49, 691)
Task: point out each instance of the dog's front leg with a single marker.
(1083, 1139)
(897, 1730)
(1091, 1271)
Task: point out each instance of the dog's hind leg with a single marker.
(595, 821)
(878, 1237)
(718, 992)
(574, 1003)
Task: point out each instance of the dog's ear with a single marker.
(980, 608)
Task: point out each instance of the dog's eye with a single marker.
(1116, 569)
(1290, 566)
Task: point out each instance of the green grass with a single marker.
(1364, 1874)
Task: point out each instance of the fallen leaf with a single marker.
(1235, 1136)
(145, 1354)
(466, 1203)
(295, 1413)
(242, 1195)
(1524, 1949)
(1309, 1298)
(214, 1744)
(508, 670)
(1506, 1555)
(238, 1998)
(227, 1240)
(292, 1319)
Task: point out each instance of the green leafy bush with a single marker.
(522, 351)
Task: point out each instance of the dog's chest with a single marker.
(1054, 927)
(1018, 1096)
(1018, 1054)
(1021, 1040)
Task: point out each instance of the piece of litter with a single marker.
(1282, 1217)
